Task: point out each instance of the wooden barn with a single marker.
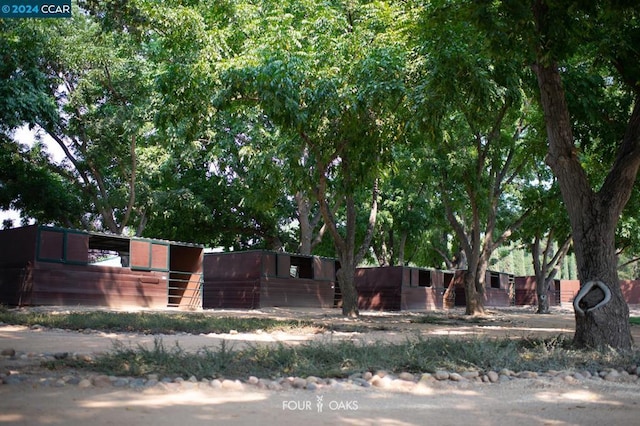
(565, 291)
(257, 279)
(396, 288)
(526, 292)
(499, 289)
(41, 265)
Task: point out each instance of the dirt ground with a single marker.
(520, 401)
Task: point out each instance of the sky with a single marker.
(26, 136)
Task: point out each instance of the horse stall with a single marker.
(564, 291)
(499, 288)
(396, 288)
(42, 265)
(259, 278)
(525, 292)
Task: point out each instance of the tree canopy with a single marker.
(424, 133)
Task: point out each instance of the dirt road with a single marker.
(518, 401)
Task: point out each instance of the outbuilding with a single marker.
(259, 278)
(44, 265)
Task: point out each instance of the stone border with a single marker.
(403, 382)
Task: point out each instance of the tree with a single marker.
(597, 41)
(329, 79)
(403, 214)
(482, 129)
(548, 235)
(94, 111)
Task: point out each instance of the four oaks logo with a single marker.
(320, 405)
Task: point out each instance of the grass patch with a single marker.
(343, 358)
(334, 359)
(150, 323)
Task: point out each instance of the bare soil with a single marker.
(520, 401)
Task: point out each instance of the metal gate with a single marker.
(184, 290)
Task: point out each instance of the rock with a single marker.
(61, 355)
(152, 377)
(253, 380)
(441, 375)
(504, 378)
(72, 380)
(101, 381)
(367, 375)
(13, 379)
(426, 378)
(232, 384)
(274, 386)
(120, 383)
(84, 383)
(381, 382)
(299, 383)
(455, 377)
(84, 357)
(612, 376)
(381, 373)
(216, 384)
(137, 383)
(527, 375)
(8, 352)
(362, 382)
(506, 372)
(570, 379)
(312, 386)
(187, 385)
(406, 376)
(334, 383)
(470, 374)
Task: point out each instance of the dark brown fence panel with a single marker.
(421, 298)
(379, 288)
(269, 266)
(283, 265)
(296, 293)
(241, 266)
(18, 246)
(58, 284)
(77, 247)
(51, 245)
(231, 294)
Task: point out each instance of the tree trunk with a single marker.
(545, 269)
(599, 324)
(346, 279)
(474, 290)
(306, 230)
(401, 248)
(600, 321)
(542, 293)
